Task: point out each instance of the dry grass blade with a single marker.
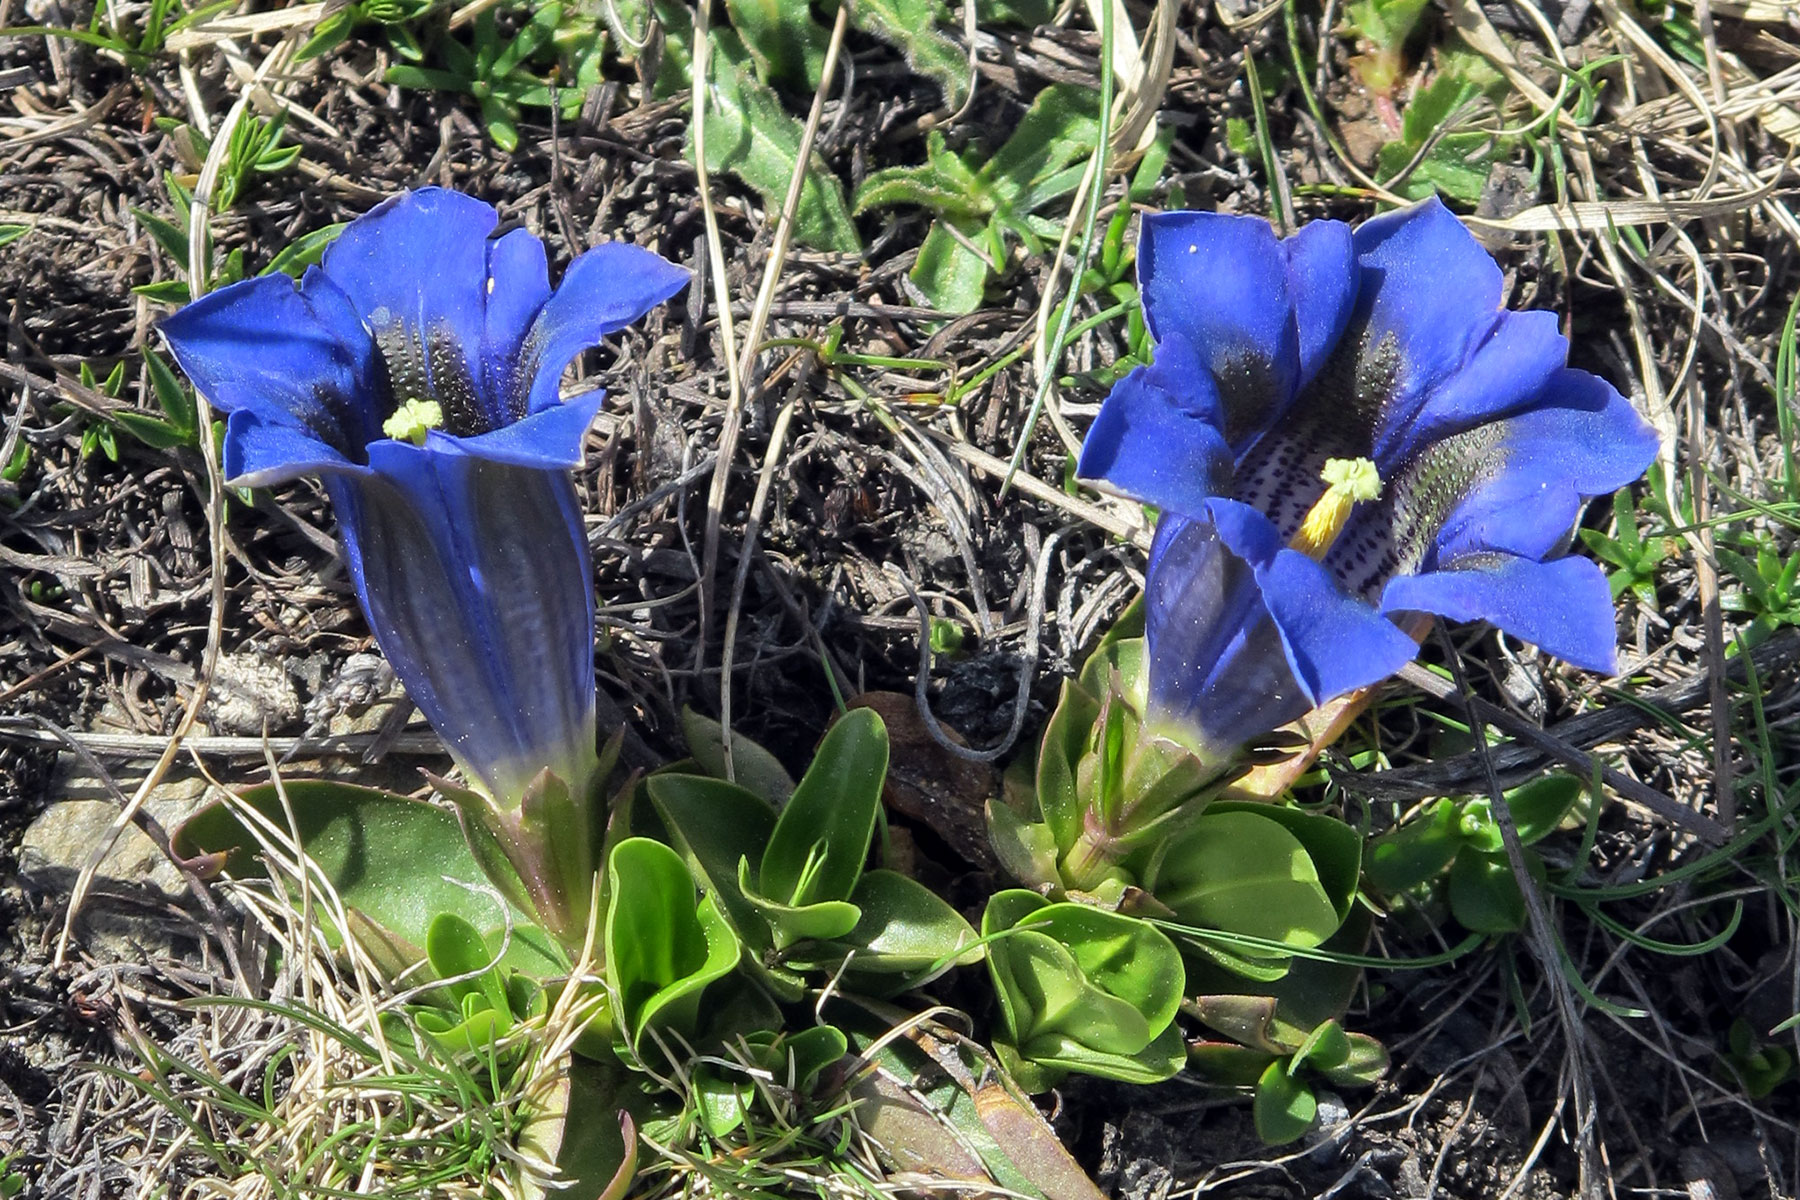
(759, 323)
(245, 25)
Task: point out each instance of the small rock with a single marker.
(249, 694)
(1328, 1134)
(1708, 1175)
(1137, 1158)
(58, 843)
(362, 680)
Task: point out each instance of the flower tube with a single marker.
(1342, 430)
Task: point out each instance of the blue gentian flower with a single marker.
(416, 372)
(1461, 445)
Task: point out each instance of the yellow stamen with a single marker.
(413, 419)
(1351, 480)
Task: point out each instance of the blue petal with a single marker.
(1157, 438)
(1564, 606)
(1508, 371)
(1322, 280)
(262, 453)
(1220, 283)
(603, 291)
(547, 440)
(1218, 675)
(518, 284)
(1335, 642)
(1429, 295)
(474, 578)
(1245, 635)
(1585, 440)
(416, 269)
(291, 355)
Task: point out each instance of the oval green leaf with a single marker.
(833, 807)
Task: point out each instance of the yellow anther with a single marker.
(413, 419)
(1351, 481)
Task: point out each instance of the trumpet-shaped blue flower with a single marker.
(416, 371)
(1464, 450)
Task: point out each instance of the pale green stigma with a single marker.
(413, 419)
(1352, 481)
(1355, 476)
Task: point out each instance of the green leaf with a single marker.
(720, 1096)
(913, 26)
(1238, 138)
(399, 863)
(154, 432)
(327, 35)
(1227, 1064)
(943, 183)
(922, 186)
(1054, 1000)
(1364, 1064)
(10, 233)
(756, 769)
(423, 80)
(1540, 806)
(1325, 1048)
(1457, 163)
(952, 277)
(232, 271)
(1061, 127)
(483, 1003)
(1083, 988)
(749, 134)
(276, 159)
(175, 401)
(906, 928)
(1385, 23)
(166, 291)
(821, 839)
(1245, 872)
(501, 119)
(304, 251)
(1030, 13)
(1406, 857)
(787, 45)
(817, 921)
(1149, 171)
(1334, 847)
(1026, 849)
(946, 638)
(1284, 1108)
(532, 37)
(1477, 828)
(455, 948)
(1484, 896)
(1066, 738)
(14, 470)
(664, 943)
(1759, 1067)
(713, 824)
(171, 237)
